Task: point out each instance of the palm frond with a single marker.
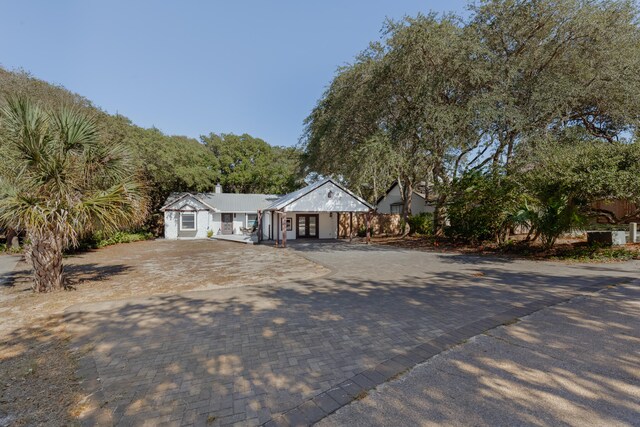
(63, 179)
(26, 127)
(75, 129)
(120, 206)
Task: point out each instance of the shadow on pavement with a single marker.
(249, 354)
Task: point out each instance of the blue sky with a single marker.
(194, 67)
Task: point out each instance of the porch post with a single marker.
(259, 226)
(284, 229)
(368, 222)
(350, 226)
(277, 227)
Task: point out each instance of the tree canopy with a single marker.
(440, 96)
(168, 163)
(250, 165)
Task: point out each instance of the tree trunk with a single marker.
(407, 193)
(368, 225)
(442, 186)
(45, 253)
(439, 216)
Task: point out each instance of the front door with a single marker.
(227, 223)
(307, 226)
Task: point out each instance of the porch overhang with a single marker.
(323, 196)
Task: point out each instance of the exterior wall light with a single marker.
(330, 194)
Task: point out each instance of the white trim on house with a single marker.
(248, 223)
(193, 196)
(392, 198)
(208, 208)
(289, 201)
(325, 200)
(184, 213)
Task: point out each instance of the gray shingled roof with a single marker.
(229, 202)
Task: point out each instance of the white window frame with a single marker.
(247, 219)
(195, 220)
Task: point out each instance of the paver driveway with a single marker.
(587, 373)
(246, 355)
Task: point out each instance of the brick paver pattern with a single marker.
(247, 355)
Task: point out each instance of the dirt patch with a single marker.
(38, 384)
(152, 268)
(37, 380)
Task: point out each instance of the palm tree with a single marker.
(60, 181)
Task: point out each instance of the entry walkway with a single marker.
(239, 238)
(290, 353)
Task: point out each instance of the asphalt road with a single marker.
(576, 363)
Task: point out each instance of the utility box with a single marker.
(607, 238)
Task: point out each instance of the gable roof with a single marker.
(394, 185)
(225, 202)
(287, 199)
(174, 198)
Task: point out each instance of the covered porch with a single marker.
(313, 212)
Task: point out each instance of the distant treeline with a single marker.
(168, 163)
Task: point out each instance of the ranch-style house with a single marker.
(312, 212)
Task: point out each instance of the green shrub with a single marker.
(11, 250)
(480, 207)
(210, 233)
(556, 216)
(124, 237)
(597, 253)
(362, 231)
(550, 216)
(421, 224)
(100, 240)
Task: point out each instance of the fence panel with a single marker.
(382, 224)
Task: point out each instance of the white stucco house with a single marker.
(312, 212)
(391, 202)
(193, 215)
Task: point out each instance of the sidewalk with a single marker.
(576, 364)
